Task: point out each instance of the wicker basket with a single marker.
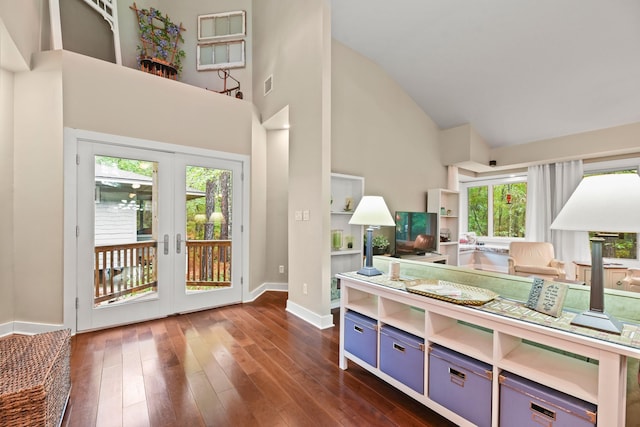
(34, 378)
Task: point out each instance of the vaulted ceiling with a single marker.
(517, 71)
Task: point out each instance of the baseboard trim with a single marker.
(320, 322)
(266, 287)
(27, 328)
(6, 329)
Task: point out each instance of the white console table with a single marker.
(531, 350)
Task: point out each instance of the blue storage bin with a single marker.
(402, 357)
(524, 403)
(461, 384)
(361, 337)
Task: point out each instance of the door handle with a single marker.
(178, 242)
(166, 244)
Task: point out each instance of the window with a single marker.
(218, 26)
(218, 56)
(617, 245)
(496, 208)
(221, 42)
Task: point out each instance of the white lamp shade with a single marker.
(603, 203)
(372, 210)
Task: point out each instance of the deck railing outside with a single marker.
(208, 262)
(125, 269)
(130, 269)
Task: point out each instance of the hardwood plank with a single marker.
(249, 364)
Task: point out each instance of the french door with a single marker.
(158, 233)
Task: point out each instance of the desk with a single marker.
(440, 259)
(613, 274)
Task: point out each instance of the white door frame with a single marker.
(70, 246)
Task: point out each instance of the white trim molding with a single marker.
(320, 322)
(27, 328)
(265, 287)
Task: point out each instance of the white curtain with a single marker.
(548, 189)
(538, 215)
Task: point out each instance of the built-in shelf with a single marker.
(345, 189)
(577, 365)
(567, 374)
(446, 203)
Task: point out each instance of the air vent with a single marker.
(268, 85)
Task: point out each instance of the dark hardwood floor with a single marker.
(243, 365)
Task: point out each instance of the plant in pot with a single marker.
(379, 243)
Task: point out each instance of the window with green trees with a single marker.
(617, 245)
(497, 210)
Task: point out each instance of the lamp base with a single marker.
(598, 320)
(369, 271)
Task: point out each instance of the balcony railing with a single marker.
(124, 270)
(128, 270)
(208, 262)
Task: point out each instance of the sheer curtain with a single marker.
(548, 189)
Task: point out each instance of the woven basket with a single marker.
(34, 378)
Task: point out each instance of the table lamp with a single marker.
(372, 211)
(608, 203)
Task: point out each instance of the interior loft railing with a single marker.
(108, 9)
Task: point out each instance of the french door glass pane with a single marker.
(125, 243)
(208, 205)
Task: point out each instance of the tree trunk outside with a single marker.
(224, 204)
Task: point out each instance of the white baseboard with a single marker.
(6, 329)
(265, 287)
(320, 322)
(27, 328)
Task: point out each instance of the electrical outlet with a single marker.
(281, 269)
(304, 289)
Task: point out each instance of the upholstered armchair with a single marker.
(535, 259)
(632, 283)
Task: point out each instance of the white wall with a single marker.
(26, 21)
(107, 98)
(6, 195)
(259, 225)
(38, 194)
(67, 89)
(292, 43)
(277, 200)
(380, 133)
(186, 12)
(619, 140)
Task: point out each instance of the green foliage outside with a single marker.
(618, 245)
(509, 215)
(622, 245)
(508, 210)
(478, 210)
(198, 178)
(140, 167)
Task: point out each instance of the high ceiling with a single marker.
(516, 70)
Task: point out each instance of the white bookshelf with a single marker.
(346, 257)
(446, 203)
